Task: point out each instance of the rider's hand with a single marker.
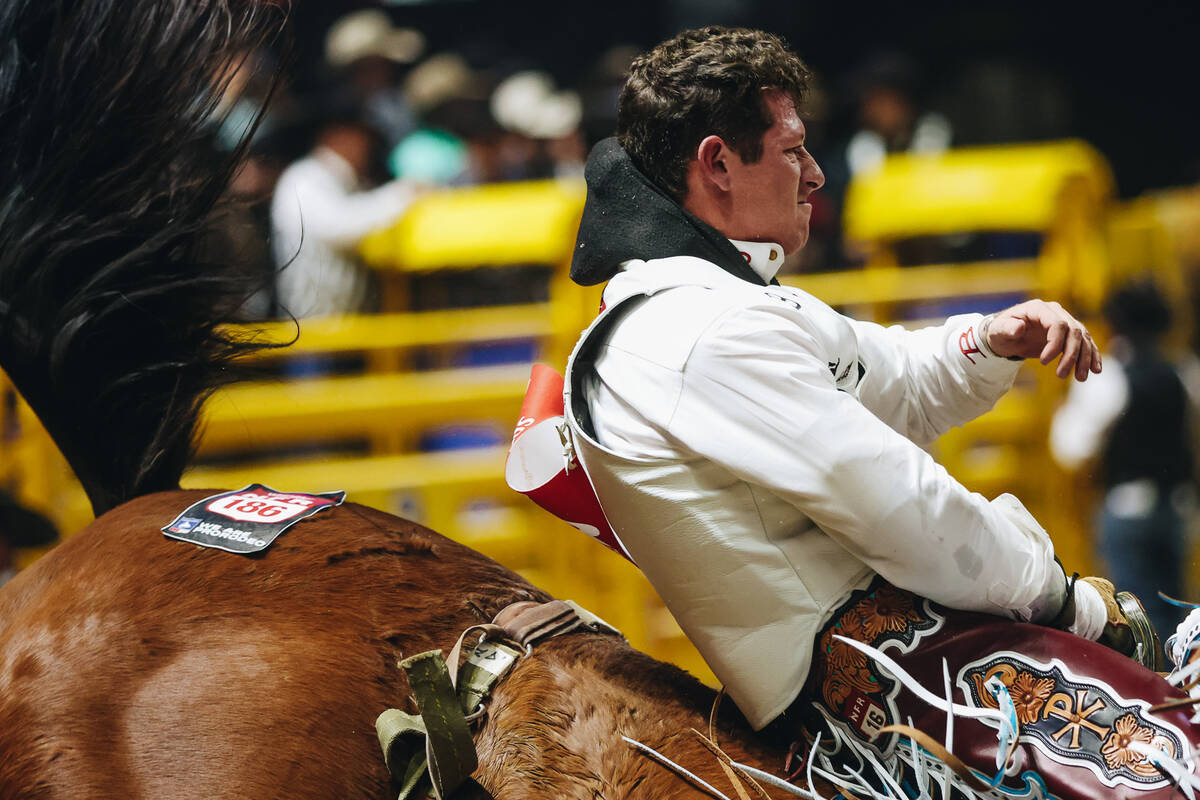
(1044, 330)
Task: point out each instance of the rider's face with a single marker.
(770, 196)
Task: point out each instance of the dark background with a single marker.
(1119, 76)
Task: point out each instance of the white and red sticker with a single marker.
(247, 520)
(542, 467)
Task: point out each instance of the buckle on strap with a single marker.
(437, 742)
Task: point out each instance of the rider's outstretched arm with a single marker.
(924, 382)
(761, 380)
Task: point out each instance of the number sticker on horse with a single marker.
(247, 520)
(262, 507)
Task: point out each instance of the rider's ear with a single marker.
(712, 161)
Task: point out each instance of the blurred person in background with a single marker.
(456, 140)
(759, 454)
(323, 206)
(241, 234)
(1132, 422)
(368, 53)
(888, 117)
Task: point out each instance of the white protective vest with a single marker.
(749, 577)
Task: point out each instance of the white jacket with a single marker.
(318, 215)
(758, 455)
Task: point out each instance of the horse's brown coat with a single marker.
(132, 665)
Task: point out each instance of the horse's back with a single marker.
(134, 665)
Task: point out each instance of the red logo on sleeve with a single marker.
(969, 345)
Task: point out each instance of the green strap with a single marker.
(402, 738)
(414, 778)
(449, 746)
(397, 732)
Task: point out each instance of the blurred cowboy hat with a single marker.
(367, 33)
(529, 104)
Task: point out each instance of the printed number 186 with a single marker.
(253, 507)
(257, 507)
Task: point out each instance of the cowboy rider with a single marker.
(759, 454)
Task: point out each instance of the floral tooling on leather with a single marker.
(851, 686)
(1073, 720)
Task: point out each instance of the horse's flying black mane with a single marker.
(110, 319)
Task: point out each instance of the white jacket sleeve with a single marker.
(758, 398)
(341, 218)
(923, 383)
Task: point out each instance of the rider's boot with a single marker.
(1128, 629)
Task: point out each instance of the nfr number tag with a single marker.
(873, 721)
(865, 714)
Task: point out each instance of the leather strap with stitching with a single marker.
(527, 623)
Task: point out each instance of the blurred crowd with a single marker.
(386, 120)
(387, 123)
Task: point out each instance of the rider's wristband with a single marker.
(983, 339)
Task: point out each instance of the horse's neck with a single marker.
(556, 725)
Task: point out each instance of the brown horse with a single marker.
(132, 665)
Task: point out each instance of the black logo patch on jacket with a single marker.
(847, 378)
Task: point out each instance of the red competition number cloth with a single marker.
(541, 467)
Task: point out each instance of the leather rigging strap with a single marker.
(433, 751)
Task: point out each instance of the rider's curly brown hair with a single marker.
(704, 81)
